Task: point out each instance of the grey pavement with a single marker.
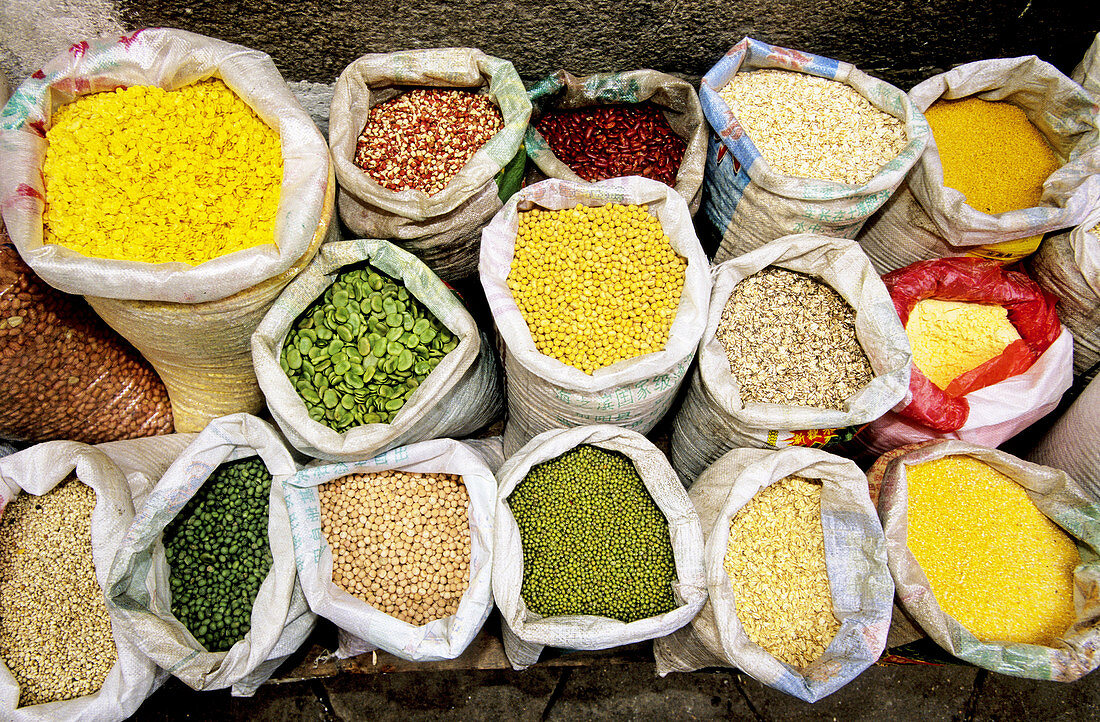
(633, 692)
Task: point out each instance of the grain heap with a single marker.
(145, 174)
(812, 127)
(995, 563)
(596, 285)
(400, 541)
(991, 153)
(790, 339)
(950, 338)
(55, 633)
(775, 560)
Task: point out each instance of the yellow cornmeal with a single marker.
(145, 174)
(991, 153)
(995, 563)
(949, 338)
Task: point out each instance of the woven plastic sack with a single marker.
(1067, 265)
(1087, 72)
(64, 374)
(138, 590)
(746, 203)
(193, 323)
(444, 229)
(134, 676)
(362, 627)
(926, 219)
(855, 557)
(459, 396)
(1073, 443)
(1003, 396)
(544, 393)
(1058, 497)
(525, 632)
(714, 420)
(563, 90)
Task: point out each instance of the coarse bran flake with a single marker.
(790, 339)
(775, 560)
(812, 127)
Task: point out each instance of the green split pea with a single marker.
(218, 553)
(594, 542)
(358, 352)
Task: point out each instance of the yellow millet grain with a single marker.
(145, 174)
(949, 338)
(775, 559)
(991, 153)
(596, 285)
(995, 563)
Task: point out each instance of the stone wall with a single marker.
(903, 42)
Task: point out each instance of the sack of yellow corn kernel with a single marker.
(412, 175)
(592, 573)
(680, 160)
(1000, 216)
(455, 566)
(800, 144)
(179, 230)
(716, 417)
(1067, 265)
(995, 558)
(143, 583)
(86, 667)
(454, 398)
(990, 357)
(599, 293)
(800, 597)
(1073, 443)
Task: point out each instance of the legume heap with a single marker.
(596, 285)
(776, 564)
(145, 174)
(812, 127)
(55, 633)
(995, 563)
(601, 142)
(219, 554)
(400, 541)
(594, 541)
(358, 352)
(421, 139)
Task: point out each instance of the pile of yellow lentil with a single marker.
(55, 633)
(775, 560)
(596, 285)
(400, 541)
(991, 153)
(145, 174)
(995, 563)
(950, 338)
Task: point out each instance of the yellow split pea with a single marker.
(596, 285)
(145, 174)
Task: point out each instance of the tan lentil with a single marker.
(775, 559)
(790, 339)
(812, 127)
(400, 541)
(55, 633)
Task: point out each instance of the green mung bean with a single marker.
(218, 552)
(358, 352)
(594, 541)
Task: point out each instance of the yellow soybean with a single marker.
(995, 562)
(145, 174)
(596, 285)
(991, 153)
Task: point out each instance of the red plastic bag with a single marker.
(975, 280)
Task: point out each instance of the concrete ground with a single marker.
(632, 692)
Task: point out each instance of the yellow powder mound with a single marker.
(950, 338)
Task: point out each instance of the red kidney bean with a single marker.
(610, 141)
